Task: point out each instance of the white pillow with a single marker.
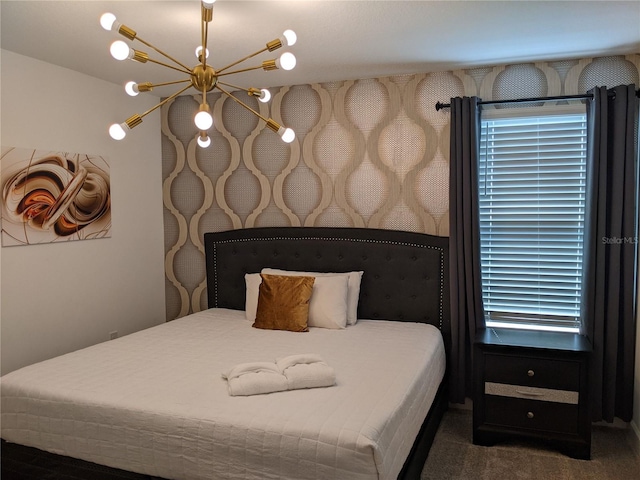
(252, 281)
(353, 294)
(327, 307)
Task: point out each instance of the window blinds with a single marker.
(532, 182)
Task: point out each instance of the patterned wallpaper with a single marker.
(369, 153)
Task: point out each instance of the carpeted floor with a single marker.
(454, 457)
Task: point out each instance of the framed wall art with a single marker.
(50, 197)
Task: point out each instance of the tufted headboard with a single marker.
(406, 274)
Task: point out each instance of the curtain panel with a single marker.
(467, 312)
(611, 249)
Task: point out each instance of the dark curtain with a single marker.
(610, 252)
(467, 313)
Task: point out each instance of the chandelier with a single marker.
(203, 77)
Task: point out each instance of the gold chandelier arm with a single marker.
(243, 104)
(204, 97)
(238, 71)
(206, 17)
(261, 94)
(158, 62)
(164, 54)
(237, 87)
(271, 46)
(131, 34)
(204, 33)
(165, 101)
(164, 84)
(265, 65)
(242, 60)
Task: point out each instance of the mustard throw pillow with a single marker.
(283, 303)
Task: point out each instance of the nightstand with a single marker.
(531, 384)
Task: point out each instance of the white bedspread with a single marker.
(154, 402)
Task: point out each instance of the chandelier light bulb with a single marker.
(131, 88)
(286, 61)
(118, 131)
(290, 37)
(265, 95)
(287, 134)
(120, 50)
(205, 141)
(199, 51)
(208, 4)
(107, 21)
(203, 120)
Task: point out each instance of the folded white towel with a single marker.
(255, 378)
(306, 371)
(287, 373)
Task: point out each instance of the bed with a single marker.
(154, 404)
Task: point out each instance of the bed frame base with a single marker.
(28, 463)
(414, 464)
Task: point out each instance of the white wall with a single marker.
(57, 298)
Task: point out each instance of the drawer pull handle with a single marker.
(531, 373)
(530, 394)
(529, 414)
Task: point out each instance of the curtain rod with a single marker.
(440, 105)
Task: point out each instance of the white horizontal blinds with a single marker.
(532, 181)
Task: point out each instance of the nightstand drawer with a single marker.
(531, 414)
(530, 371)
(531, 393)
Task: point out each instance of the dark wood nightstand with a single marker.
(532, 384)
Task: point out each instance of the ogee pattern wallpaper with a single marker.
(368, 153)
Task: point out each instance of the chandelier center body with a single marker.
(203, 78)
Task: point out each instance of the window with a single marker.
(532, 183)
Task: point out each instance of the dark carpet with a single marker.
(454, 457)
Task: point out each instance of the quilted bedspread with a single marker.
(155, 402)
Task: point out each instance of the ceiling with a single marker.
(337, 40)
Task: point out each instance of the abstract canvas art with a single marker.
(52, 197)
